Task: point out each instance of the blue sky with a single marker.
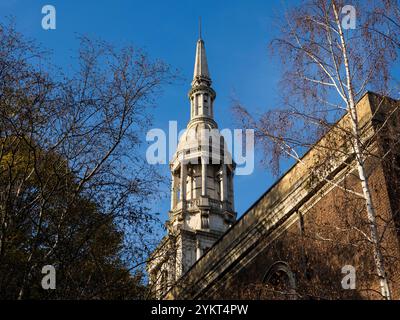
(236, 35)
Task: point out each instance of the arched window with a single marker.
(192, 107)
(199, 105)
(205, 104)
(280, 281)
(196, 105)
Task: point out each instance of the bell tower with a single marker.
(202, 198)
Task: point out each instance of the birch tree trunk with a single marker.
(360, 160)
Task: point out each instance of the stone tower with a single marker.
(202, 198)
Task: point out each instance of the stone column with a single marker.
(189, 188)
(224, 185)
(232, 191)
(173, 191)
(192, 195)
(221, 187)
(183, 182)
(203, 178)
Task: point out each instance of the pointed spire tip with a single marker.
(200, 65)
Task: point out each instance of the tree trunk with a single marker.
(371, 214)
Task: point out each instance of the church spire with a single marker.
(200, 64)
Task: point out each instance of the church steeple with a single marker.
(202, 197)
(200, 64)
(201, 94)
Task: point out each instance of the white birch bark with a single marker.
(360, 160)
